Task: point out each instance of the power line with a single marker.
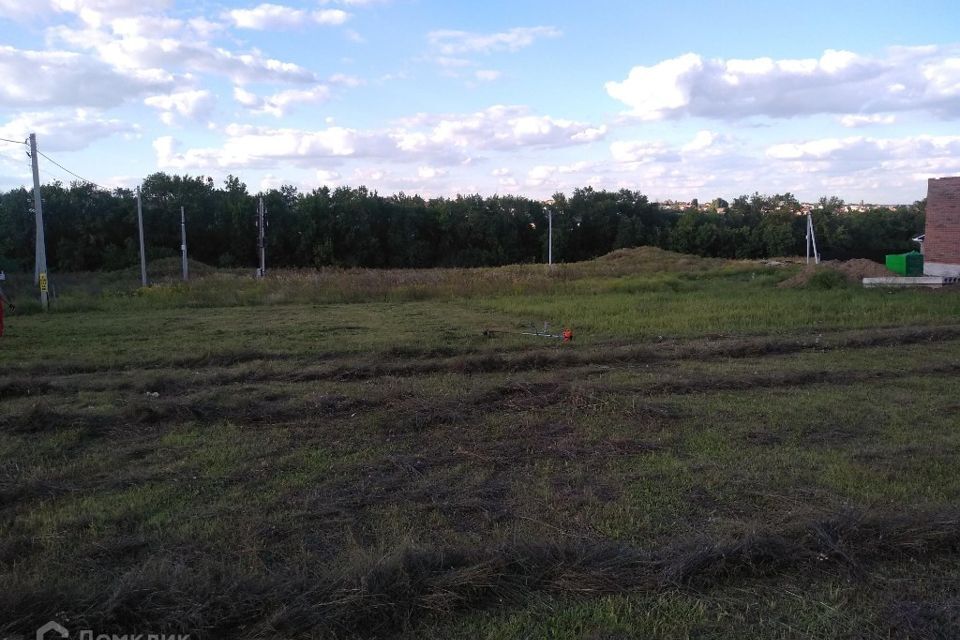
(53, 176)
(75, 175)
(81, 178)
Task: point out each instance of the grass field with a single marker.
(379, 454)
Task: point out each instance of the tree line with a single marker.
(88, 228)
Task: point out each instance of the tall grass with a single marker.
(217, 288)
(634, 293)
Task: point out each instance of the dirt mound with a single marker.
(853, 271)
(858, 269)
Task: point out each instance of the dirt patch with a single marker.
(524, 396)
(27, 387)
(40, 418)
(853, 271)
(938, 620)
(780, 380)
(766, 438)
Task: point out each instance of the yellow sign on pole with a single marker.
(43, 282)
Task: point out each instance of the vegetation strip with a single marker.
(396, 592)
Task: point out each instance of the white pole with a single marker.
(143, 256)
(808, 238)
(813, 239)
(550, 237)
(261, 215)
(183, 245)
(40, 263)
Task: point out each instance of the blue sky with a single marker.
(677, 99)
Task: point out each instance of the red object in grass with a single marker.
(567, 335)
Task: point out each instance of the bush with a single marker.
(827, 279)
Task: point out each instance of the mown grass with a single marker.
(712, 457)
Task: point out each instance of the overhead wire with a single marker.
(79, 177)
(53, 176)
(75, 175)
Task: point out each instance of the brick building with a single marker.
(941, 245)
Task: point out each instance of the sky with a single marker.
(678, 100)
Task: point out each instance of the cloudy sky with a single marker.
(678, 99)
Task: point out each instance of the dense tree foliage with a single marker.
(90, 229)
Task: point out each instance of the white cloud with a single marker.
(325, 176)
(541, 175)
(65, 130)
(943, 77)
(429, 173)
(495, 128)
(872, 150)
(451, 62)
(701, 141)
(654, 91)
(248, 146)
(266, 16)
(120, 182)
(94, 13)
(857, 120)
(452, 43)
(854, 168)
(62, 78)
(487, 75)
(355, 3)
(641, 151)
(98, 12)
(18, 10)
(812, 149)
(330, 16)
(861, 165)
(281, 103)
(195, 104)
(205, 28)
(274, 16)
(450, 139)
(152, 47)
(345, 80)
(841, 82)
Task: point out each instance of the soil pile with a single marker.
(853, 271)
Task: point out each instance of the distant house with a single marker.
(941, 238)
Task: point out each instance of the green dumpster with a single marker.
(906, 264)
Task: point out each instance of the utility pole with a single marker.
(40, 264)
(143, 255)
(548, 205)
(261, 239)
(811, 240)
(183, 245)
(550, 237)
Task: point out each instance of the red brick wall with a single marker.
(942, 242)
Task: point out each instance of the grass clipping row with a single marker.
(833, 273)
(391, 594)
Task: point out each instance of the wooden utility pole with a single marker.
(143, 255)
(40, 264)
